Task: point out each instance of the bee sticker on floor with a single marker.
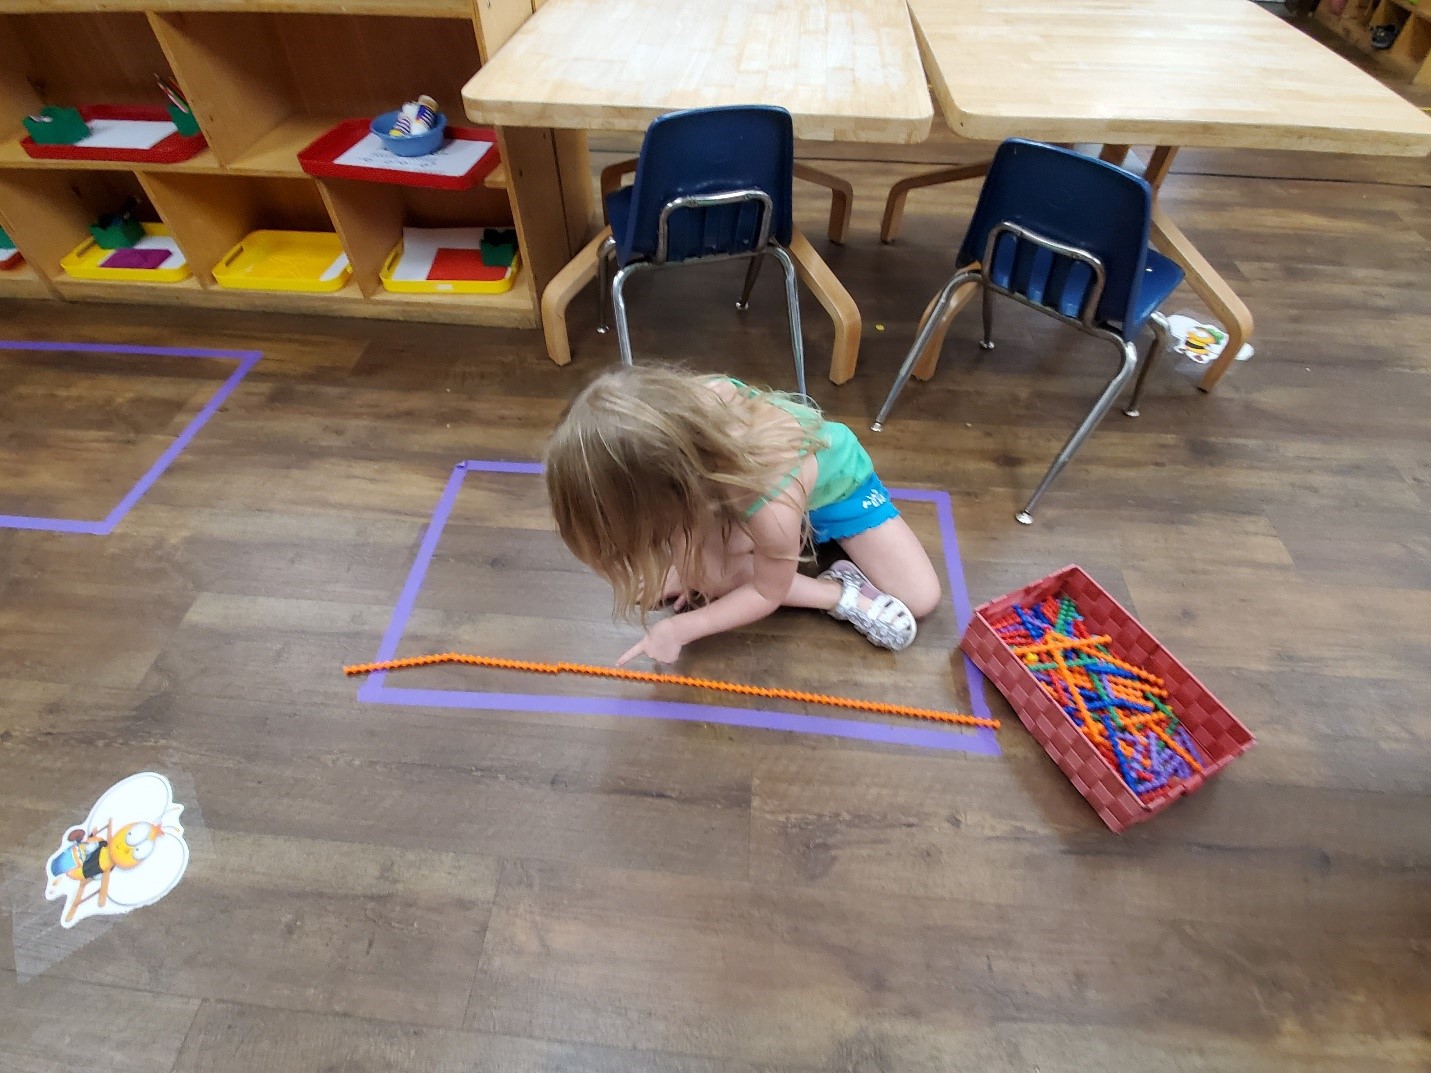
(1202, 343)
(130, 851)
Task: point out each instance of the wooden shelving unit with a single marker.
(265, 78)
(1410, 54)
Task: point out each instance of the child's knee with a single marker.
(924, 600)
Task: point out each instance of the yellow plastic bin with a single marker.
(87, 260)
(414, 266)
(285, 261)
(446, 286)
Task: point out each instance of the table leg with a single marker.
(565, 286)
(837, 302)
(894, 203)
(1236, 318)
(842, 198)
(1159, 165)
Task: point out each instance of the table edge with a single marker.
(910, 130)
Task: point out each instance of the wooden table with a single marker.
(846, 70)
(1165, 73)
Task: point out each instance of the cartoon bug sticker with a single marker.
(129, 852)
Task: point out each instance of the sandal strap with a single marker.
(880, 622)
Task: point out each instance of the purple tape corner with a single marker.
(246, 359)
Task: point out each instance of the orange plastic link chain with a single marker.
(655, 677)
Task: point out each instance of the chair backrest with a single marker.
(707, 151)
(1074, 200)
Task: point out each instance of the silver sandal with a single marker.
(885, 621)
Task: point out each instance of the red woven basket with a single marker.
(1217, 732)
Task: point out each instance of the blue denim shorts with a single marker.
(867, 506)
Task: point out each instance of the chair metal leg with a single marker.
(1095, 415)
(1156, 347)
(792, 301)
(604, 257)
(926, 333)
(618, 303)
(752, 270)
(988, 341)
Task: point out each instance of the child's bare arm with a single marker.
(776, 531)
(775, 528)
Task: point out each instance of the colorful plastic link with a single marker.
(1121, 708)
(677, 680)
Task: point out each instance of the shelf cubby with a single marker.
(1410, 53)
(264, 85)
(1412, 50)
(72, 58)
(371, 217)
(210, 214)
(48, 212)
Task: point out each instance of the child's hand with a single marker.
(661, 643)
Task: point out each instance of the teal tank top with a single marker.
(842, 465)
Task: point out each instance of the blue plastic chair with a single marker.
(711, 184)
(1065, 234)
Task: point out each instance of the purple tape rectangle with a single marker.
(246, 359)
(376, 691)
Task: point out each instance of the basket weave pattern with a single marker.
(1217, 732)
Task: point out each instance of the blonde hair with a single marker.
(648, 461)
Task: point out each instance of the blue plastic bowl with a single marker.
(413, 144)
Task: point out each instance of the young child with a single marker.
(698, 489)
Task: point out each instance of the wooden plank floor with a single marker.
(379, 887)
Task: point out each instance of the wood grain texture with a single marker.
(497, 21)
(385, 889)
(1220, 73)
(232, 1038)
(140, 1032)
(847, 70)
(81, 58)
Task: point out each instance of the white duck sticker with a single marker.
(129, 852)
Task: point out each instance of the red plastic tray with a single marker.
(317, 159)
(173, 149)
(1217, 732)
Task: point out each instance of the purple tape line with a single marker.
(958, 591)
(246, 359)
(375, 690)
(982, 741)
(402, 611)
